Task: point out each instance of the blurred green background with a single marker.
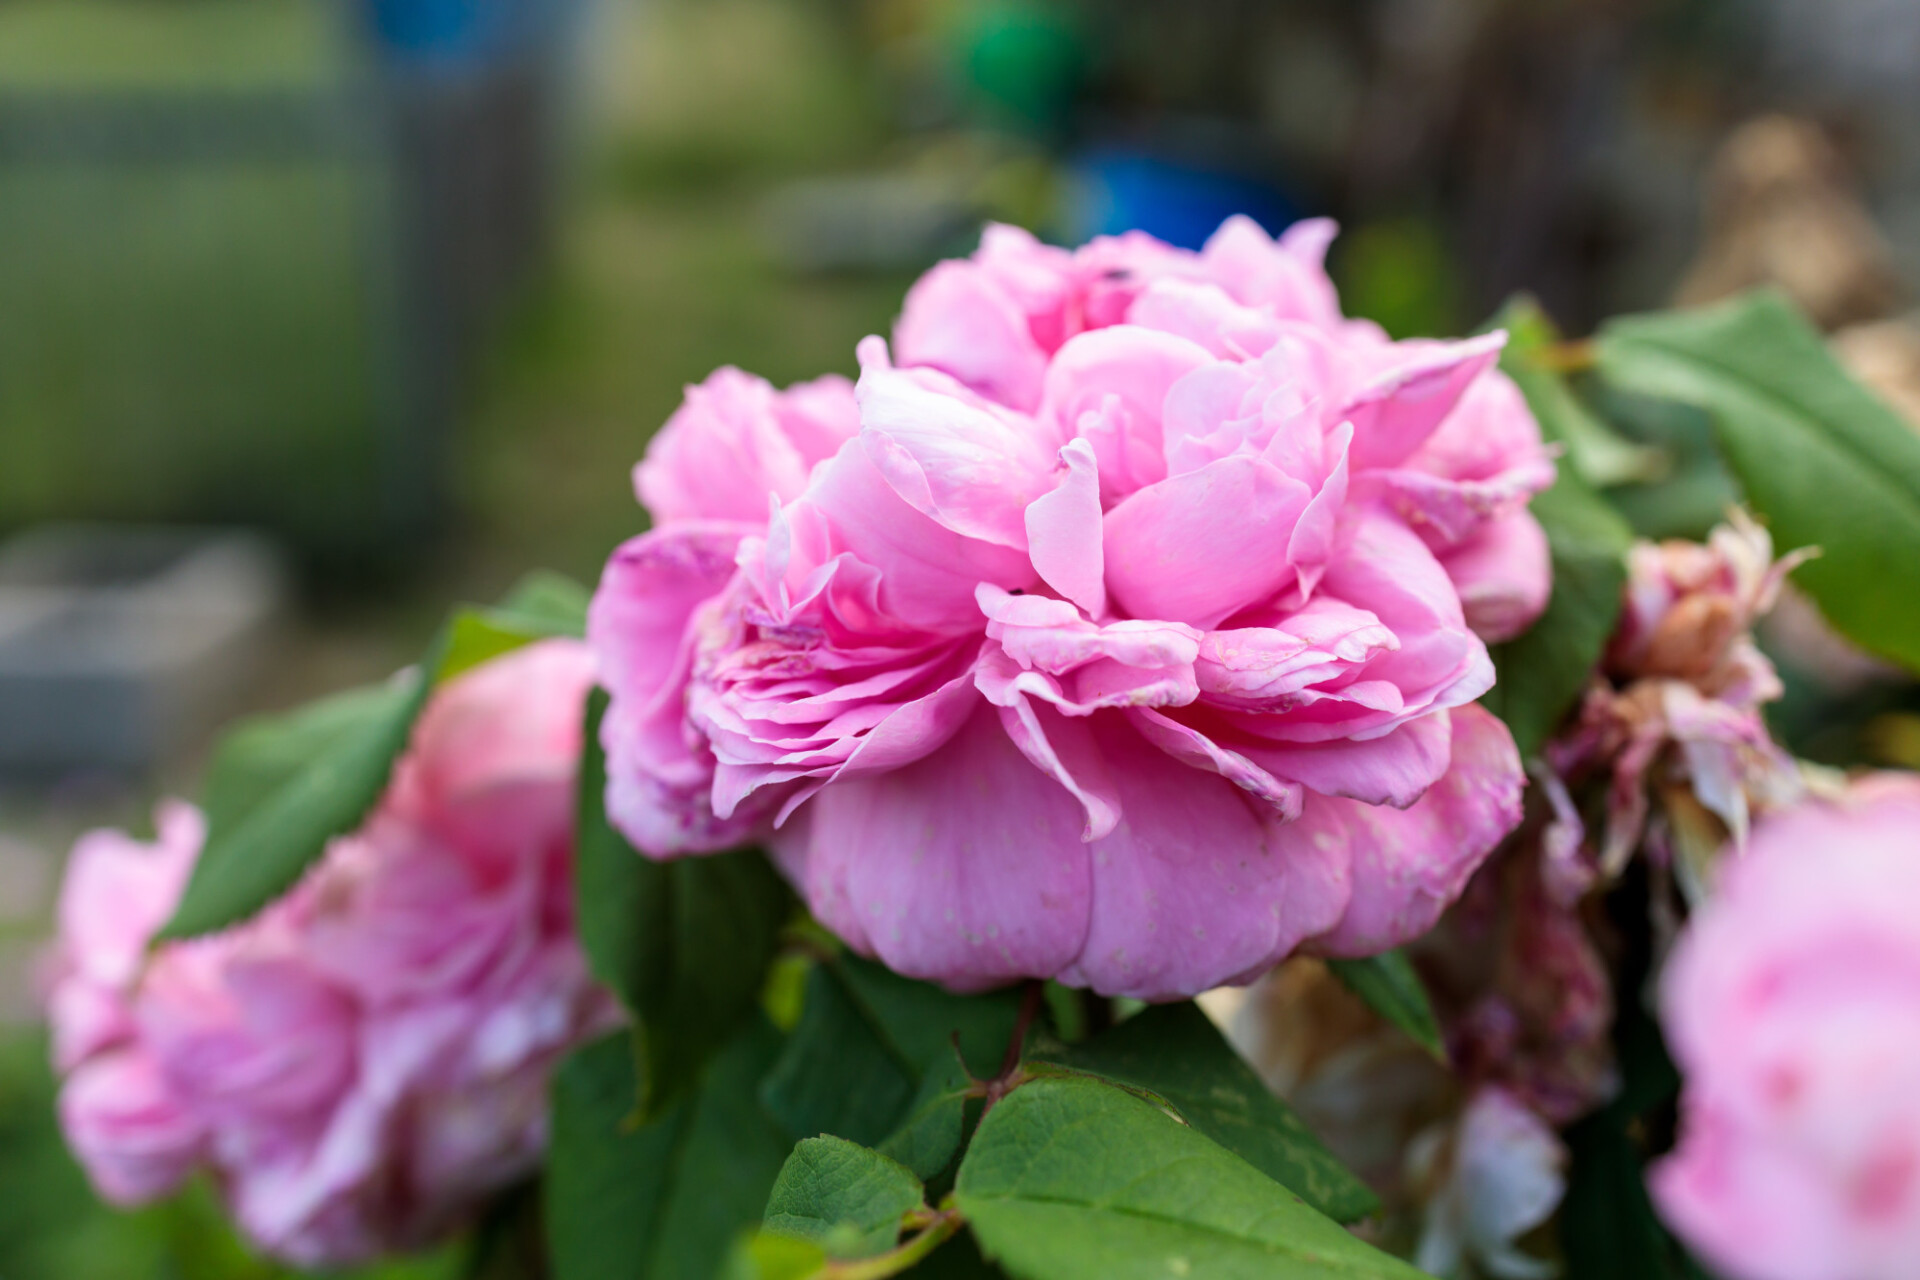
(409, 298)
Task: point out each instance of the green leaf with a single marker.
(1599, 455)
(1543, 672)
(846, 1198)
(1391, 988)
(866, 1041)
(665, 1199)
(921, 1022)
(685, 944)
(764, 1256)
(1072, 1179)
(541, 606)
(1174, 1051)
(838, 1075)
(1819, 457)
(926, 1140)
(281, 787)
(475, 636)
(549, 601)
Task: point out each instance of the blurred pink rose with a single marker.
(1120, 645)
(363, 1062)
(1792, 1005)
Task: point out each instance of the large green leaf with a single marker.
(664, 1199)
(1543, 672)
(1073, 1179)
(1391, 988)
(849, 1199)
(838, 1074)
(925, 1024)
(927, 1137)
(858, 1064)
(1177, 1053)
(684, 944)
(1819, 457)
(281, 787)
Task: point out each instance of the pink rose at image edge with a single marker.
(1792, 1006)
(364, 1061)
(1128, 639)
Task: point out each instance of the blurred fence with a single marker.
(245, 261)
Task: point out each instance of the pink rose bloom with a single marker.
(1140, 671)
(1792, 1004)
(360, 1065)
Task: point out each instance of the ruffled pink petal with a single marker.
(1504, 574)
(1110, 385)
(246, 1028)
(1386, 570)
(119, 891)
(1399, 406)
(1049, 635)
(735, 440)
(1450, 512)
(1199, 884)
(1489, 433)
(959, 320)
(1214, 411)
(964, 868)
(649, 589)
(130, 1132)
(493, 753)
(1410, 864)
(1066, 750)
(1064, 532)
(971, 467)
(1206, 314)
(1266, 668)
(1393, 769)
(926, 573)
(1286, 275)
(1197, 750)
(1198, 547)
(762, 740)
(640, 627)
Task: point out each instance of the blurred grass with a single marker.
(201, 44)
(182, 341)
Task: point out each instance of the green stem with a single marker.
(940, 1227)
(1567, 357)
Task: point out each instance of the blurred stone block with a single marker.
(119, 643)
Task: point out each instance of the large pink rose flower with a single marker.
(1792, 1004)
(362, 1063)
(1128, 639)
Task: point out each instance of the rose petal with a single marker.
(1410, 864)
